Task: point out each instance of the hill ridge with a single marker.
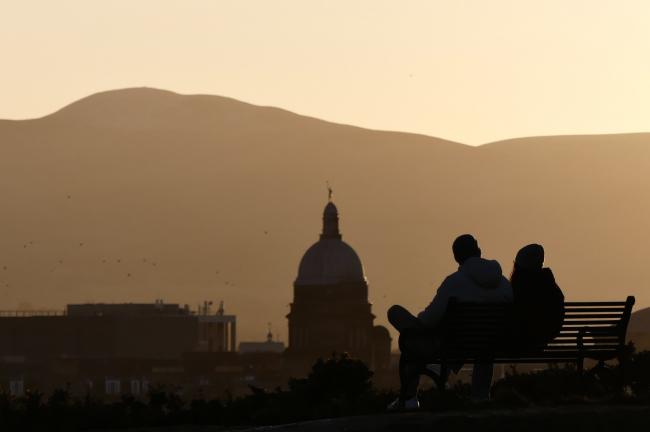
(158, 92)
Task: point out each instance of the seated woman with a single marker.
(538, 300)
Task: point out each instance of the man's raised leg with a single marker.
(402, 319)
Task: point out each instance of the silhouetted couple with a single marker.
(538, 312)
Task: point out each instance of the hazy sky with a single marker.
(471, 71)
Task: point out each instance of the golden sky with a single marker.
(471, 71)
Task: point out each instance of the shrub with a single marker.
(638, 374)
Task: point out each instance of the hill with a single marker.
(137, 194)
(639, 329)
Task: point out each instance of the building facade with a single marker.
(330, 311)
(119, 348)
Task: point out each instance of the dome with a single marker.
(330, 261)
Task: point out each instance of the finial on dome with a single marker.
(330, 192)
(269, 335)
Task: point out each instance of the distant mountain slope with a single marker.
(640, 320)
(139, 194)
(639, 329)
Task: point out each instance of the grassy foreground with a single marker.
(339, 391)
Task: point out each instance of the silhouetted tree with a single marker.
(338, 376)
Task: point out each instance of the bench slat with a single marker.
(571, 309)
(533, 357)
(585, 347)
(591, 322)
(565, 339)
(595, 304)
(608, 332)
(568, 316)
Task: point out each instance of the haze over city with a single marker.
(253, 182)
(310, 214)
(138, 194)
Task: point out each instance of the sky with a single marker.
(469, 71)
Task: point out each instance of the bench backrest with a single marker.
(482, 330)
(475, 329)
(593, 326)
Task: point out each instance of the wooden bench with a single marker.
(478, 333)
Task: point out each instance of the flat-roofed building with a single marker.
(115, 347)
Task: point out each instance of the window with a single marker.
(112, 386)
(17, 387)
(136, 387)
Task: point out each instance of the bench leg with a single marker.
(441, 382)
(580, 365)
(622, 369)
(440, 378)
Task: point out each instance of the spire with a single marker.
(269, 335)
(330, 222)
(330, 217)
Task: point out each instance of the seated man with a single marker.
(477, 280)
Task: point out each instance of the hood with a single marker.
(485, 273)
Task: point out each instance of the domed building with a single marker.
(330, 310)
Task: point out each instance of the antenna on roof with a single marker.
(221, 310)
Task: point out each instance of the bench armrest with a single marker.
(602, 331)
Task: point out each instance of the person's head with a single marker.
(464, 247)
(530, 257)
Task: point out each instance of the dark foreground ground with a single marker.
(572, 418)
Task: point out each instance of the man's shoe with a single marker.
(412, 404)
(407, 405)
(395, 405)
